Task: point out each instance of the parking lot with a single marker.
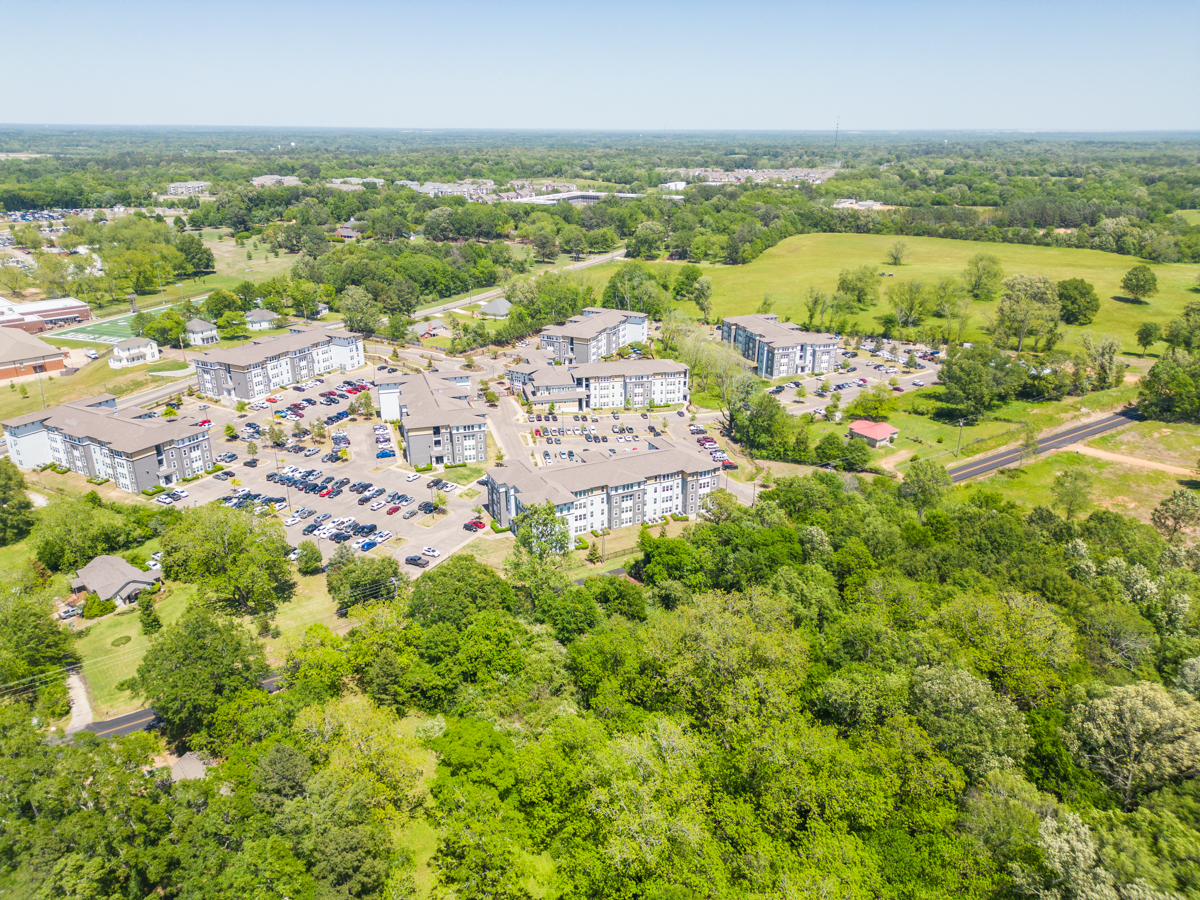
(443, 531)
(567, 438)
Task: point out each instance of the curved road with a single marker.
(142, 719)
(1052, 441)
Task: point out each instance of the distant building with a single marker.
(275, 181)
(347, 233)
(97, 440)
(265, 364)
(779, 348)
(595, 334)
(260, 319)
(437, 422)
(201, 333)
(23, 354)
(603, 385)
(188, 187)
(673, 186)
(497, 309)
(338, 186)
(877, 434)
(851, 203)
(133, 352)
(334, 182)
(39, 315)
(112, 578)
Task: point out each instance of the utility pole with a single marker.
(836, 128)
(960, 428)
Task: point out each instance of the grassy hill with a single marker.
(787, 270)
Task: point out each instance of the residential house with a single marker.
(133, 352)
(201, 333)
(877, 434)
(260, 319)
(112, 578)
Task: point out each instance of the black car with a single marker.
(251, 464)
(363, 501)
(337, 492)
(419, 561)
(309, 529)
(341, 482)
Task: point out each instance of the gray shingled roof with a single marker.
(111, 577)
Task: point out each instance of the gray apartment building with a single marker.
(94, 438)
(437, 422)
(593, 335)
(780, 348)
(266, 364)
(608, 493)
(604, 385)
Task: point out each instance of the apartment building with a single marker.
(437, 422)
(94, 438)
(188, 187)
(613, 493)
(265, 364)
(275, 181)
(134, 352)
(593, 335)
(780, 348)
(603, 385)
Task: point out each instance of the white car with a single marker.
(153, 564)
(448, 486)
(429, 551)
(357, 545)
(377, 505)
(380, 536)
(412, 476)
(291, 520)
(917, 382)
(165, 501)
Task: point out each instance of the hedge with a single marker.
(496, 528)
(679, 518)
(151, 491)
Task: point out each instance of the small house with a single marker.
(112, 578)
(260, 319)
(134, 352)
(201, 333)
(876, 434)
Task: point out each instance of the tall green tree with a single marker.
(16, 509)
(193, 667)
(1140, 282)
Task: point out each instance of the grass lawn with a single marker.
(1176, 444)
(1191, 216)
(106, 665)
(94, 378)
(467, 475)
(170, 365)
(787, 270)
(1130, 490)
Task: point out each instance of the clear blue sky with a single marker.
(1057, 65)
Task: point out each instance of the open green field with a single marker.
(787, 270)
(94, 378)
(1130, 490)
(1191, 216)
(1172, 443)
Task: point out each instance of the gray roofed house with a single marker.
(133, 352)
(497, 309)
(201, 333)
(112, 578)
(260, 319)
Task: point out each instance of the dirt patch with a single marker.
(1128, 460)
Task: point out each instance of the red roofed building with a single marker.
(874, 433)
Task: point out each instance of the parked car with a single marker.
(419, 561)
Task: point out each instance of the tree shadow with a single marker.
(1132, 301)
(1191, 484)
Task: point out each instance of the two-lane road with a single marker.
(1052, 441)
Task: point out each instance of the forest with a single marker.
(852, 689)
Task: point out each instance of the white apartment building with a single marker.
(134, 352)
(610, 493)
(437, 421)
(604, 385)
(780, 348)
(95, 439)
(266, 364)
(597, 333)
(188, 187)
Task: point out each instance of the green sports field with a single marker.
(787, 270)
(110, 331)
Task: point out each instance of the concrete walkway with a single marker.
(1129, 460)
(81, 709)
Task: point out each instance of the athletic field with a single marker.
(110, 331)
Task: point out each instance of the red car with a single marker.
(393, 510)
(203, 422)
(326, 492)
(351, 390)
(272, 399)
(478, 526)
